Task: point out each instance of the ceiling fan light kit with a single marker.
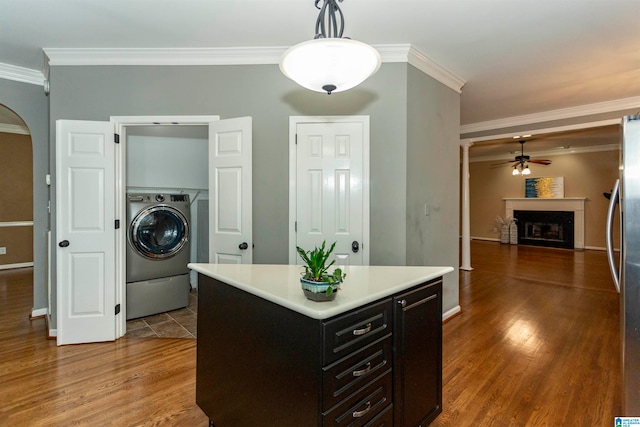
(330, 62)
(519, 169)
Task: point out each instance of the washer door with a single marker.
(159, 232)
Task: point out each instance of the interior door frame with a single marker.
(293, 125)
(120, 124)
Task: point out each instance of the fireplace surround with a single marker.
(566, 204)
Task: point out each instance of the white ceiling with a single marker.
(518, 57)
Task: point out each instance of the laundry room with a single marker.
(167, 215)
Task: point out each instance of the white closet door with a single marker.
(85, 229)
(329, 190)
(230, 191)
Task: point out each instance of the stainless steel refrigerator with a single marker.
(626, 273)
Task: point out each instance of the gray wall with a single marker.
(30, 103)
(433, 153)
(179, 162)
(98, 92)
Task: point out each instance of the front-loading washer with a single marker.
(158, 251)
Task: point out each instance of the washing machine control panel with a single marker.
(160, 198)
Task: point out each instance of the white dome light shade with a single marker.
(330, 64)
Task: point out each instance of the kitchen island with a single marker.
(267, 356)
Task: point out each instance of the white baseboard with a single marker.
(18, 265)
(52, 333)
(450, 313)
(591, 248)
(38, 312)
(598, 248)
(489, 239)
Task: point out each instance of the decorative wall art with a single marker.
(544, 188)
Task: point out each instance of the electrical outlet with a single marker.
(3, 251)
(495, 229)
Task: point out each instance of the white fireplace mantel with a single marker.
(566, 204)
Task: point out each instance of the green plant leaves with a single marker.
(316, 266)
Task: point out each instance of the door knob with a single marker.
(355, 246)
(243, 246)
(63, 244)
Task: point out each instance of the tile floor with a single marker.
(173, 324)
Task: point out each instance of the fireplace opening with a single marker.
(545, 228)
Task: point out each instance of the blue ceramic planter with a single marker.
(317, 291)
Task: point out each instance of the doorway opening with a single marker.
(92, 275)
(165, 161)
(16, 196)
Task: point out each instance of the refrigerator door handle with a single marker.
(615, 198)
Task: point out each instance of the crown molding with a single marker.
(233, 56)
(407, 53)
(556, 152)
(547, 116)
(20, 74)
(542, 131)
(435, 70)
(175, 56)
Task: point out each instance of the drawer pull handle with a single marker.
(362, 331)
(361, 372)
(359, 414)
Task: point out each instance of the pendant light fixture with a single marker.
(330, 62)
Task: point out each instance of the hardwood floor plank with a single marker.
(536, 344)
(137, 382)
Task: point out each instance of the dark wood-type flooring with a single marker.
(537, 344)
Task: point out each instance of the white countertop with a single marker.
(280, 284)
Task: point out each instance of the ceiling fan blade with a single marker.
(504, 162)
(509, 163)
(540, 161)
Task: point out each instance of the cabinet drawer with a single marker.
(383, 419)
(348, 374)
(363, 406)
(349, 332)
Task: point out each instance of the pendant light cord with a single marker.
(328, 20)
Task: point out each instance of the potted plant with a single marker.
(317, 283)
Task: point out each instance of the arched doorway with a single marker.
(16, 191)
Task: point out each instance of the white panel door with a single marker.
(330, 189)
(230, 191)
(85, 229)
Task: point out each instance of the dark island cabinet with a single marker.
(262, 364)
(417, 356)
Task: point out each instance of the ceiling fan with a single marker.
(521, 163)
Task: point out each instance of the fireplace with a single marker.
(566, 204)
(545, 228)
